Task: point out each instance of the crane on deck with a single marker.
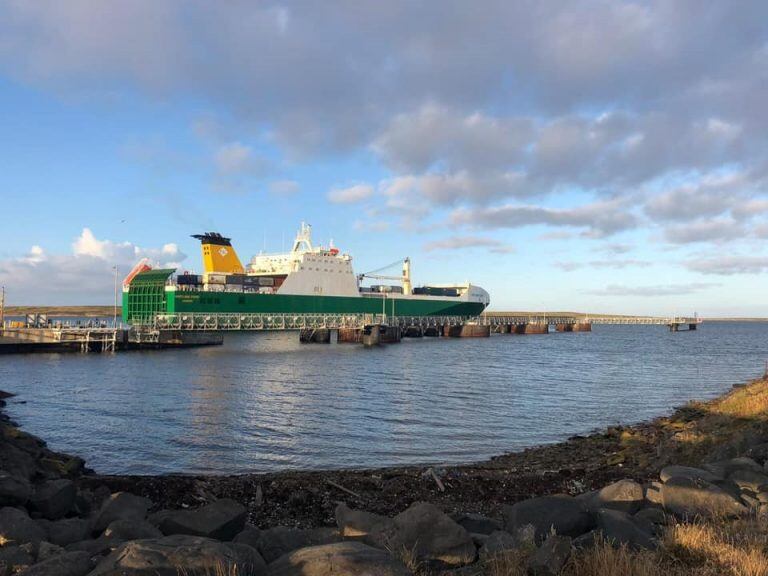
(405, 278)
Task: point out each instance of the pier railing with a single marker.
(257, 322)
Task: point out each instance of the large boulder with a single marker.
(121, 506)
(724, 468)
(359, 524)
(15, 558)
(15, 490)
(496, 544)
(619, 528)
(565, 515)
(124, 530)
(222, 520)
(624, 495)
(16, 527)
(425, 531)
(339, 559)
(477, 524)
(66, 564)
(550, 558)
(180, 554)
(66, 531)
(747, 479)
(249, 536)
(54, 498)
(276, 542)
(674, 471)
(687, 498)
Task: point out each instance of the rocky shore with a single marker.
(684, 494)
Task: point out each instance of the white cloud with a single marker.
(466, 242)
(233, 157)
(655, 290)
(351, 194)
(284, 187)
(84, 276)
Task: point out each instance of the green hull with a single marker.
(244, 303)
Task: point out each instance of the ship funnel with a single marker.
(218, 254)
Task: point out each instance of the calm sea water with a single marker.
(264, 402)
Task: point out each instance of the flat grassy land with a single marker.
(54, 311)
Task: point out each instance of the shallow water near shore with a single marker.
(264, 402)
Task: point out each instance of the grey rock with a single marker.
(47, 550)
(66, 531)
(751, 501)
(477, 523)
(561, 513)
(376, 530)
(619, 528)
(550, 557)
(724, 468)
(222, 520)
(280, 540)
(687, 498)
(624, 495)
(249, 536)
(100, 546)
(758, 452)
(339, 559)
(588, 540)
(121, 506)
(17, 527)
(497, 544)
(687, 472)
(54, 498)
(428, 533)
(14, 558)
(14, 490)
(66, 564)
(653, 494)
(179, 554)
(652, 515)
(124, 530)
(751, 480)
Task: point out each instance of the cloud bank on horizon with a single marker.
(585, 125)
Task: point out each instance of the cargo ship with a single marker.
(307, 280)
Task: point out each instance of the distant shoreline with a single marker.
(104, 311)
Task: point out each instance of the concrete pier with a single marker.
(564, 327)
(582, 327)
(315, 336)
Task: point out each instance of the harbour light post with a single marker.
(114, 317)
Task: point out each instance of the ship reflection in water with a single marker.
(265, 402)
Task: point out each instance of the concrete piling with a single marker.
(413, 332)
(564, 327)
(432, 331)
(467, 331)
(349, 336)
(582, 327)
(530, 328)
(315, 336)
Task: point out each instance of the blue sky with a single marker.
(595, 156)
